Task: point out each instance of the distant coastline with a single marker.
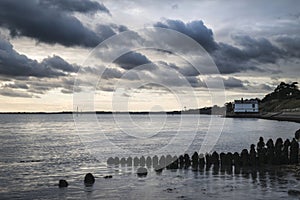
(105, 112)
(280, 116)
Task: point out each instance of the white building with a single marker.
(243, 106)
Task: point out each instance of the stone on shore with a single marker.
(142, 172)
(63, 183)
(89, 179)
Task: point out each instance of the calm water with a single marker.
(38, 150)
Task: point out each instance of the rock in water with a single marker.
(142, 171)
(63, 183)
(89, 179)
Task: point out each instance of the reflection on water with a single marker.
(182, 183)
(38, 150)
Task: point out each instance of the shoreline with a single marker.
(279, 116)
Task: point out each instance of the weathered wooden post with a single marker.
(129, 161)
(181, 161)
(270, 152)
(123, 161)
(142, 161)
(201, 161)
(294, 152)
(285, 151)
(208, 161)
(148, 161)
(222, 158)
(297, 135)
(136, 161)
(237, 162)
(117, 161)
(215, 158)
(236, 159)
(252, 156)
(245, 158)
(168, 161)
(174, 164)
(278, 151)
(110, 161)
(187, 161)
(155, 161)
(195, 160)
(260, 144)
(162, 161)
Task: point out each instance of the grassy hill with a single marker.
(285, 97)
(278, 105)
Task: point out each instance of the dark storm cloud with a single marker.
(45, 24)
(248, 56)
(14, 93)
(186, 70)
(118, 28)
(194, 29)
(261, 49)
(230, 59)
(16, 85)
(227, 83)
(13, 64)
(76, 5)
(291, 45)
(232, 82)
(110, 73)
(34, 86)
(247, 53)
(195, 82)
(131, 60)
(57, 62)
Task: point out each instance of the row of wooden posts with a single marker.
(280, 153)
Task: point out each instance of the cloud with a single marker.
(57, 62)
(185, 69)
(291, 45)
(194, 29)
(232, 82)
(131, 60)
(249, 55)
(75, 5)
(13, 64)
(33, 19)
(15, 93)
(261, 49)
(228, 83)
(33, 87)
(230, 59)
(110, 73)
(245, 54)
(16, 85)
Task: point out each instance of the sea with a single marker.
(37, 150)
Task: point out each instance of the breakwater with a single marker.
(262, 154)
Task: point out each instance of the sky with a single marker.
(57, 55)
